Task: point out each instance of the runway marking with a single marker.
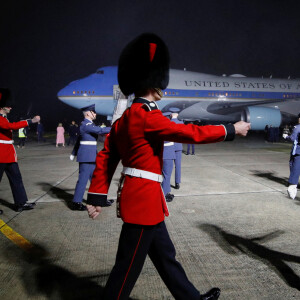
(55, 185)
(15, 237)
(230, 193)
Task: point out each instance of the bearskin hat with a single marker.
(144, 64)
(5, 97)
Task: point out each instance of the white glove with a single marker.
(284, 135)
(72, 157)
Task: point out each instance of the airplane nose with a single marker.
(69, 90)
(61, 93)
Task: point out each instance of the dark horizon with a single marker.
(46, 45)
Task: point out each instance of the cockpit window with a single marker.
(100, 72)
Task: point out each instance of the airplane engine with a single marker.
(259, 117)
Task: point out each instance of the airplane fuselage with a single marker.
(187, 88)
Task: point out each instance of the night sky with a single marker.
(46, 44)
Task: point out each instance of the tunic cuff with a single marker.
(230, 132)
(29, 121)
(97, 199)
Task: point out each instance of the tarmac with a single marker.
(231, 222)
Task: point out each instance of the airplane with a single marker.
(209, 99)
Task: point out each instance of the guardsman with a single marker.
(137, 139)
(86, 150)
(178, 150)
(8, 155)
(168, 158)
(294, 160)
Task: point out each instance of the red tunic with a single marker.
(7, 151)
(137, 140)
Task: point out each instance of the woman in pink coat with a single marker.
(60, 137)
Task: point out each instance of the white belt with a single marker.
(6, 142)
(142, 174)
(88, 143)
(169, 144)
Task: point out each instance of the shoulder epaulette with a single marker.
(149, 107)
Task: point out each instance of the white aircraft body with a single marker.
(207, 98)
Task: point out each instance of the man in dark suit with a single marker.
(73, 132)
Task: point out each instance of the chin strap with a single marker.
(159, 92)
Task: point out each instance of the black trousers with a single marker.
(21, 142)
(15, 180)
(136, 241)
(72, 139)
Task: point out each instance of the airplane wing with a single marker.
(229, 107)
(231, 111)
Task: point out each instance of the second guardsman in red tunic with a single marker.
(136, 139)
(8, 155)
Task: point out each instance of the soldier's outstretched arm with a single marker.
(5, 124)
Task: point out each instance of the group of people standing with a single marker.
(73, 132)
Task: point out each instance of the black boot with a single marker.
(212, 294)
(169, 197)
(109, 202)
(78, 206)
(25, 206)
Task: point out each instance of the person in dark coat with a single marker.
(73, 133)
(294, 160)
(40, 132)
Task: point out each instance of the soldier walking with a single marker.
(86, 150)
(8, 155)
(136, 139)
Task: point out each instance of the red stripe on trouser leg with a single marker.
(136, 248)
